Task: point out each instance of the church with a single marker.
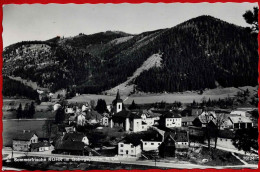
(124, 119)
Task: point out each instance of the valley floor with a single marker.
(184, 97)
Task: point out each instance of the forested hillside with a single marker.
(203, 52)
(12, 88)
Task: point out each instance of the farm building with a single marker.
(22, 141)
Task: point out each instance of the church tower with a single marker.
(118, 103)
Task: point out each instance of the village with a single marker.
(135, 133)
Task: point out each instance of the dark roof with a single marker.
(125, 114)
(172, 114)
(188, 118)
(135, 138)
(178, 136)
(73, 136)
(25, 136)
(40, 144)
(93, 115)
(70, 146)
(148, 113)
(227, 134)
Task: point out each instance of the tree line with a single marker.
(27, 112)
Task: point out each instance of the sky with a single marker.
(41, 22)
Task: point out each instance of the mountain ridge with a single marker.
(197, 54)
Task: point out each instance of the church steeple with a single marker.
(118, 103)
(117, 95)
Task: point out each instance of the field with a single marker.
(12, 127)
(41, 111)
(184, 97)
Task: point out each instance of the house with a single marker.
(167, 147)
(181, 139)
(22, 141)
(128, 121)
(204, 119)
(93, 117)
(173, 140)
(151, 140)
(79, 137)
(69, 110)
(170, 119)
(130, 147)
(191, 112)
(81, 119)
(238, 122)
(187, 121)
(71, 148)
(240, 112)
(40, 147)
(105, 120)
(148, 117)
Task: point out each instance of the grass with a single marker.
(39, 114)
(147, 98)
(215, 157)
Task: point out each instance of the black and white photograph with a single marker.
(130, 86)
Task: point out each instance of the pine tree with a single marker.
(133, 106)
(31, 111)
(25, 113)
(19, 112)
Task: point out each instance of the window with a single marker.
(132, 146)
(159, 143)
(132, 151)
(152, 143)
(122, 145)
(145, 143)
(121, 150)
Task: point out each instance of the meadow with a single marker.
(184, 97)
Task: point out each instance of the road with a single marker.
(176, 165)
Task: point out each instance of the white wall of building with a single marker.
(173, 122)
(150, 145)
(129, 149)
(137, 125)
